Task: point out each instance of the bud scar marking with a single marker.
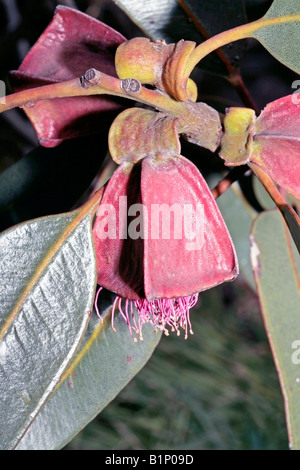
(91, 77)
(130, 85)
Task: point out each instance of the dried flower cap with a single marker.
(71, 44)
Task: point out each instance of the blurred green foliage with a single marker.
(217, 390)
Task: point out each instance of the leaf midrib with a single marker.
(87, 209)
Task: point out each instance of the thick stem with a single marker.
(231, 35)
(105, 84)
(234, 75)
(197, 120)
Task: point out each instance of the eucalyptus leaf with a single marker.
(262, 195)
(48, 278)
(106, 361)
(239, 217)
(276, 267)
(282, 39)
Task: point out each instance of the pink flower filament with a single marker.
(160, 313)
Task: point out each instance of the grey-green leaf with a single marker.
(105, 363)
(276, 267)
(262, 195)
(282, 40)
(239, 216)
(48, 278)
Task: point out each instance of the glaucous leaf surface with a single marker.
(238, 216)
(282, 40)
(48, 276)
(106, 361)
(276, 267)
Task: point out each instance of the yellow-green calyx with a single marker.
(159, 64)
(236, 141)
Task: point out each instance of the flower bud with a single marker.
(159, 64)
(142, 59)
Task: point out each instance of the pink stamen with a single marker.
(133, 318)
(160, 313)
(120, 309)
(113, 312)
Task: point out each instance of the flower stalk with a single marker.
(231, 35)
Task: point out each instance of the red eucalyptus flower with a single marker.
(71, 44)
(271, 141)
(159, 264)
(276, 143)
(179, 244)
